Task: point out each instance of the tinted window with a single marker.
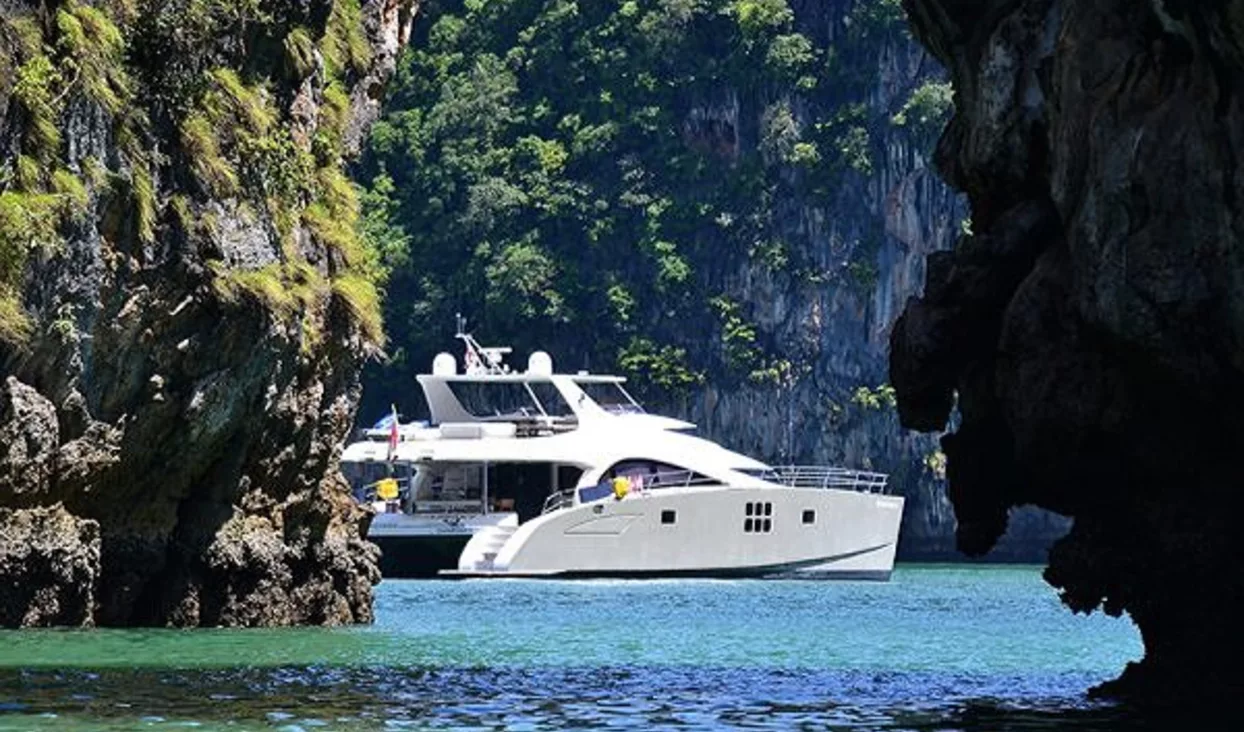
(497, 399)
(611, 397)
(655, 474)
(551, 399)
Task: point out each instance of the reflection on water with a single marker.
(542, 698)
(938, 648)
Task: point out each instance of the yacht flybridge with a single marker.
(541, 474)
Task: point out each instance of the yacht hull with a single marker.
(418, 557)
(706, 532)
(414, 546)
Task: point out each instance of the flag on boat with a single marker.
(473, 366)
(393, 434)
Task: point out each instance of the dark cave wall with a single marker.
(1089, 330)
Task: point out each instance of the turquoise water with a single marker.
(938, 647)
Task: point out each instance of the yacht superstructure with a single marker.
(567, 475)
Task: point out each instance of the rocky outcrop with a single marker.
(49, 567)
(184, 309)
(1085, 342)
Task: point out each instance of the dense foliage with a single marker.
(593, 177)
(195, 97)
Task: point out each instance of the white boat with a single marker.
(565, 475)
(424, 526)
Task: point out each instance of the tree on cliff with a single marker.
(593, 177)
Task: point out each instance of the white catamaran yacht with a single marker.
(540, 474)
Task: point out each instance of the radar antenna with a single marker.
(479, 359)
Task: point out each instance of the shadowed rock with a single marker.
(1091, 331)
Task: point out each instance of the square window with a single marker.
(768, 509)
(809, 516)
(668, 516)
(768, 525)
(747, 525)
(750, 509)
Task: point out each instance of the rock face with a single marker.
(869, 243)
(1091, 330)
(181, 325)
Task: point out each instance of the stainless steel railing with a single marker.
(560, 499)
(791, 476)
(824, 476)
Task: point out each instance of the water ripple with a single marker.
(543, 699)
(946, 648)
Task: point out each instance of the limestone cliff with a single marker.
(1088, 333)
(184, 308)
(829, 325)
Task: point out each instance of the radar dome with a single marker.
(540, 363)
(444, 365)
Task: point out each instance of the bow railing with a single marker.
(824, 476)
(791, 476)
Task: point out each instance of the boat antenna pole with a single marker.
(480, 360)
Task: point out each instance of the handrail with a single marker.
(789, 476)
(825, 476)
(561, 499)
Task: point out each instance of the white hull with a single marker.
(405, 525)
(850, 535)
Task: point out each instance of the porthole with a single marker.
(809, 516)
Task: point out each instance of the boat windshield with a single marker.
(550, 399)
(505, 400)
(610, 396)
(644, 475)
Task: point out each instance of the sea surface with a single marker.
(939, 647)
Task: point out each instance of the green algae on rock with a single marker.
(180, 341)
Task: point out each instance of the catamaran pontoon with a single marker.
(545, 474)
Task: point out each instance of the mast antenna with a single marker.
(480, 360)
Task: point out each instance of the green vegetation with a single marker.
(665, 366)
(300, 52)
(265, 286)
(360, 296)
(198, 138)
(882, 397)
(927, 109)
(936, 463)
(590, 177)
(344, 45)
(151, 67)
(28, 221)
(93, 51)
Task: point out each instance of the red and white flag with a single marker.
(393, 434)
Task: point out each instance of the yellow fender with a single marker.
(386, 489)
